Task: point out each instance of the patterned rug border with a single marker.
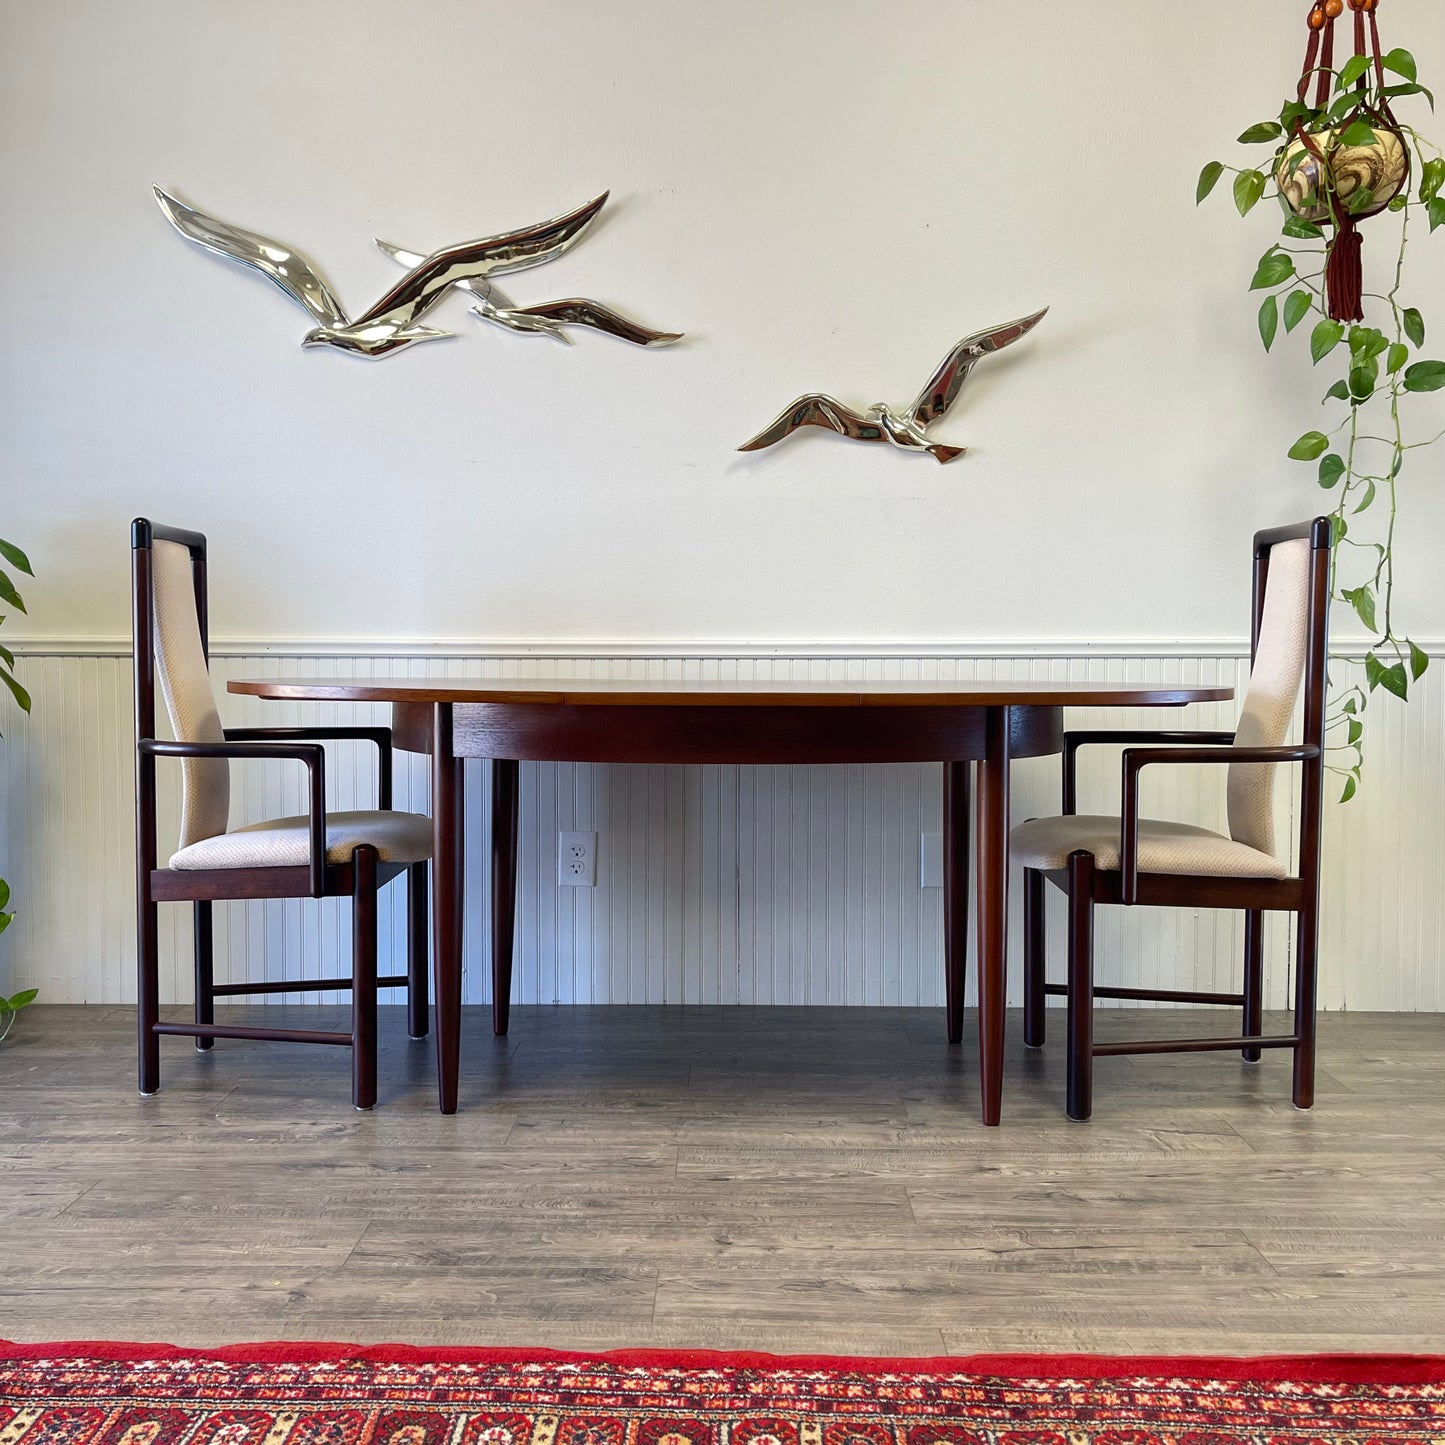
(1316, 1368)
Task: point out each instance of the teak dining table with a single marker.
(509, 721)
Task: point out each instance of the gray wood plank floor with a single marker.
(780, 1179)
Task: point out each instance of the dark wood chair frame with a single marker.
(1086, 885)
(360, 878)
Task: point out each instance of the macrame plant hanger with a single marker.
(1344, 281)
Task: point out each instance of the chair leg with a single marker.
(1253, 981)
(205, 969)
(1080, 1096)
(417, 1002)
(1034, 958)
(1304, 1008)
(363, 978)
(148, 991)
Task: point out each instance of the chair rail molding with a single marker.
(716, 885)
(551, 648)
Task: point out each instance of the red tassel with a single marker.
(1344, 276)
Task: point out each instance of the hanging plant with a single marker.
(1341, 157)
(12, 554)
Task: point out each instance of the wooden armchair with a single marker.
(319, 855)
(1132, 860)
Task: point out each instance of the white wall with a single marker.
(822, 193)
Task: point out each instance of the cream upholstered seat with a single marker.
(323, 855)
(1128, 860)
(1045, 844)
(286, 842)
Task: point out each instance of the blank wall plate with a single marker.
(577, 860)
(930, 860)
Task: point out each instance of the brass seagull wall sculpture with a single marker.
(393, 322)
(548, 318)
(907, 432)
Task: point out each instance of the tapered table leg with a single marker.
(956, 799)
(446, 772)
(505, 798)
(991, 844)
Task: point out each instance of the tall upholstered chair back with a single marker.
(170, 634)
(1284, 592)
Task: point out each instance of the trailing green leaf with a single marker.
(15, 557)
(1299, 229)
(1414, 325)
(1296, 307)
(1357, 133)
(1362, 381)
(1419, 661)
(1332, 468)
(1399, 355)
(1425, 376)
(1324, 338)
(1311, 445)
(9, 594)
(1208, 179)
(1265, 130)
(1402, 63)
(1275, 267)
(1362, 599)
(1352, 70)
(1339, 391)
(1391, 678)
(1248, 188)
(22, 697)
(1340, 108)
(1432, 179)
(1268, 321)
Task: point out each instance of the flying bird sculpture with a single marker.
(394, 321)
(909, 430)
(548, 318)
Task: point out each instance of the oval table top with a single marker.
(594, 692)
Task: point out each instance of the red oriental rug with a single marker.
(106, 1394)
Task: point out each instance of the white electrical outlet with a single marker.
(577, 859)
(930, 860)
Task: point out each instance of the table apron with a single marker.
(603, 733)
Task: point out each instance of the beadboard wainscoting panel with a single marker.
(715, 885)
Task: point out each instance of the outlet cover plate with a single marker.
(930, 860)
(577, 860)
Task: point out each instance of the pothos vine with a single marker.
(1318, 150)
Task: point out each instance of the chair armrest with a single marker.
(1137, 759)
(312, 754)
(380, 736)
(1073, 741)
